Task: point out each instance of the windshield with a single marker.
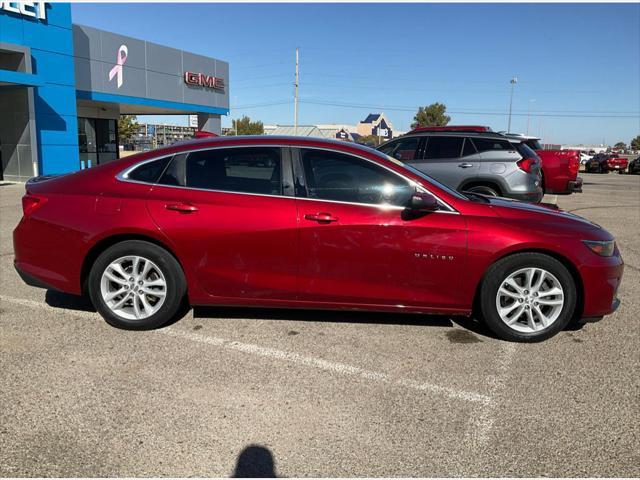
(423, 175)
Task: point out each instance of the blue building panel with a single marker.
(60, 158)
(129, 74)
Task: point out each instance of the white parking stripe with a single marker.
(482, 423)
(296, 358)
(319, 363)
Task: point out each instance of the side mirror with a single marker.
(423, 202)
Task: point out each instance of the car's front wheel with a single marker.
(137, 285)
(527, 297)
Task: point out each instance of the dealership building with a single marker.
(63, 87)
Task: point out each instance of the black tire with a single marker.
(483, 190)
(500, 271)
(176, 286)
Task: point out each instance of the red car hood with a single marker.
(515, 209)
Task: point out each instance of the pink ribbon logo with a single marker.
(117, 69)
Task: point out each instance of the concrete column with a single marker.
(209, 122)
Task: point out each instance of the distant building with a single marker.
(376, 124)
(150, 136)
(335, 131)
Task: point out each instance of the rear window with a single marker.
(525, 150)
(492, 144)
(534, 144)
(149, 172)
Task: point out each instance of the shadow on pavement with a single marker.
(68, 301)
(255, 461)
(337, 316)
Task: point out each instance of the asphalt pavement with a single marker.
(246, 392)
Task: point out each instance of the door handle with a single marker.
(181, 207)
(321, 217)
(465, 165)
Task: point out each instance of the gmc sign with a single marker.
(203, 80)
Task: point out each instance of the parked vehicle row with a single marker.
(307, 223)
(634, 166)
(559, 168)
(606, 162)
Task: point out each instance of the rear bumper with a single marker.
(575, 186)
(31, 280)
(533, 197)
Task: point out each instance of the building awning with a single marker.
(11, 77)
(148, 106)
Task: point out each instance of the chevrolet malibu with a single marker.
(306, 223)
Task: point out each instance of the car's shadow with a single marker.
(470, 324)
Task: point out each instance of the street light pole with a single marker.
(529, 113)
(295, 100)
(514, 80)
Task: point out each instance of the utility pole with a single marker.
(295, 98)
(529, 114)
(513, 82)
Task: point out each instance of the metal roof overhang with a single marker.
(148, 106)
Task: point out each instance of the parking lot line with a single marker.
(482, 423)
(296, 358)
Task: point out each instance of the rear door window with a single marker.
(468, 148)
(443, 147)
(242, 170)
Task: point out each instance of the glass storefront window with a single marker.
(98, 141)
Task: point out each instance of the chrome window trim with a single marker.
(123, 177)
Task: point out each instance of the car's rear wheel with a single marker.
(136, 285)
(483, 190)
(527, 297)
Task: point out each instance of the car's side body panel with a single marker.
(246, 249)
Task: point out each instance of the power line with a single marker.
(259, 105)
(497, 113)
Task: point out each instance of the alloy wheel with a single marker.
(530, 300)
(133, 287)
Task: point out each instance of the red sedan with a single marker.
(299, 222)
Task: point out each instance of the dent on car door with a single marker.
(232, 226)
(359, 246)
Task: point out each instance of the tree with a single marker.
(620, 146)
(635, 143)
(244, 126)
(431, 116)
(127, 128)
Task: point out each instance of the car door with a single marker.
(231, 220)
(359, 246)
(451, 160)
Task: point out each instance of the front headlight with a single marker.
(602, 248)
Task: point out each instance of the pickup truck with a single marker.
(607, 162)
(559, 168)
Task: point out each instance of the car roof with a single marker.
(473, 134)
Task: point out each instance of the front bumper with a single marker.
(601, 281)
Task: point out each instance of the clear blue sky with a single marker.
(569, 58)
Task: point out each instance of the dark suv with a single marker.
(473, 159)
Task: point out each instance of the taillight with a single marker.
(30, 203)
(526, 163)
(574, 164)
